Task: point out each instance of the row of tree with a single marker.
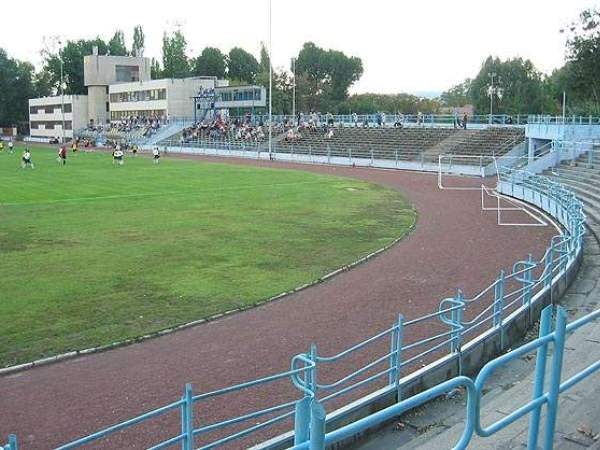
(323, 77)
(518, 87)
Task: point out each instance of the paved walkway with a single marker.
(454, 245)
(439, 425)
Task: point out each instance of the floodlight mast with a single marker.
(294, 89)
(62, 92)
(270, 84)
(492, 75)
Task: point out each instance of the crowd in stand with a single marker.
(220, 128)
(147, 125)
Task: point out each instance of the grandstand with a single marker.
(408, 142)
(404, 144)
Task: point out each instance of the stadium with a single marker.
(184, 266)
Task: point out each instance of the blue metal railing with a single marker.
(560, 120)
(390, 354)
(11, 444)
(474, 389)
(392, 118)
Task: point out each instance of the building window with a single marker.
(50, 125)
(138, 96)
(50, 109)
(126, 74)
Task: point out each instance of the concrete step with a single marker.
(586, 184)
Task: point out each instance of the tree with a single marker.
(242, 65)
(265, 61)
(116, 45)
(16, 87)
(138, 46)
(155, 70)
(43, 84)
(282, 90)
(457, 95)
(580, 75)
(175, 61)
(329, 74)
(518, 88)
(394, 103)
(72, 57)
(211, 62)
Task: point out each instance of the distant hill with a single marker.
(427, 94)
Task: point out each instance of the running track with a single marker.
(454, 245)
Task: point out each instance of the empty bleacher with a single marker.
(405, 143)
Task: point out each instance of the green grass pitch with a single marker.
(92, 253)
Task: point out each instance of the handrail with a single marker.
(475, 390)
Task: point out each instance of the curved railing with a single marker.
(475, 390)
(457, 326)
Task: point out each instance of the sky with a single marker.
(406, 46)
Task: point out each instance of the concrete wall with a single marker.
(568, 132)
(100, 70)
(97, 99)
(238, 152)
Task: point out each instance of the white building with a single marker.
(168, 98)
(119, 87)
(46, 116)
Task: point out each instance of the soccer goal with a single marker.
(481, 173)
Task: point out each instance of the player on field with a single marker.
(1, 146)
(11, 147)
(118, 156)
(26, 159)
(62, 155)
(156, 155)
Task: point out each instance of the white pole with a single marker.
(62, 100)
(294, 89)
(270, 85)
(564, 106)
(491, 96)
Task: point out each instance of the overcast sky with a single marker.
(405, 46)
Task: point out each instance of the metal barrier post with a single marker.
(456, 318)
(527, 281)
(396, 355)
(554, 388)
(187, 422)
(312, 374)
(540, 371)
(499, 306)
(548, 265)
(302, 420)
(317, 426)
